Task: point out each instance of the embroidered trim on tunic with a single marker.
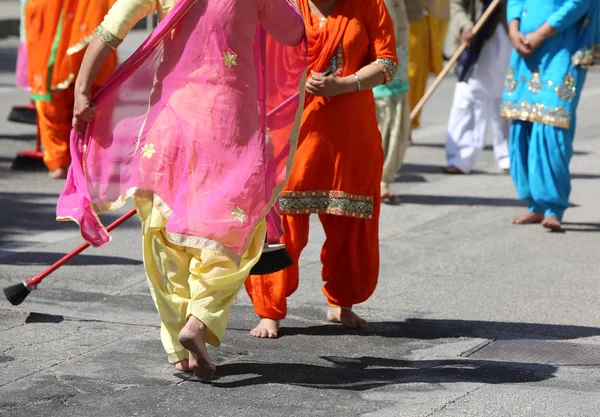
(567, 90)
(535, 84)
(80, 46)
(389, 68)
(107, 37)
(336, 65)
(338, 203)
(510, 82)
(536, 112)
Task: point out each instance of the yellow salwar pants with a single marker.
(188, 282)
(424, 58)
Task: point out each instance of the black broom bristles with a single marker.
(17, 293)
(273, 259)
(23, 114)
(27, 163)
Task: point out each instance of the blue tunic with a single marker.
(541, 96)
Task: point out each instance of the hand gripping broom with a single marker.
(484, 18)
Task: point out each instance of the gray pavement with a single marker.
(472, 316)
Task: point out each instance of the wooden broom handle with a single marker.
(450, 64)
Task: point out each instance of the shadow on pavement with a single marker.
(581, 227)
(442, 200)
(25, 137)
(429, 329)
(48, 258)
(436, 169)
(33, 213)
(364, 373)
(489, 148)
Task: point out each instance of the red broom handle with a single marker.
(33, 281)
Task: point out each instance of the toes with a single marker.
(272, 334)
(362, 323)
(183, 366)
(260, 333)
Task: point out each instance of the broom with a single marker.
(30, 160)
(17, 293)
(23, 114)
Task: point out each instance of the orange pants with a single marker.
(54, 121)
(350, 258)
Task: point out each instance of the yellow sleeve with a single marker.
(121, 18)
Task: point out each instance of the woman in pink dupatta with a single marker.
(201, 143)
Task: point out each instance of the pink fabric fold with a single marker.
(21, 77)
(178, 125)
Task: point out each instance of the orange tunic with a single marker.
(338, 163)
(57, 34)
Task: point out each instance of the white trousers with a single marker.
(477, 104)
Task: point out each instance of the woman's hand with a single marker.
(537, 38)
(325, 86)
(83, 110)
(518, 40)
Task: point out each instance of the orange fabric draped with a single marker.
(57, 32)
(338, 164)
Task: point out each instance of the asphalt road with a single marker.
(472, 316)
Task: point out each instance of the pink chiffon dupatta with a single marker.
(201, 122)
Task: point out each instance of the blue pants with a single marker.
(539, 165)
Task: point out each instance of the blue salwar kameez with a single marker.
(541, 96)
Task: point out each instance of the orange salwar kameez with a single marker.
(57, 34)
(338, 164)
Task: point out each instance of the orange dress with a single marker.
(338, 164)
(57, 34)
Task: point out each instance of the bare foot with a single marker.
(183, 366)
(552, 223)
(346, 317)
(192, 338)
(387, 196)
(266, 329)
(528, 218)
(58, 173)
(451, 169)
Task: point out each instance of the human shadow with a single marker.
(581, 227)
(21, 137)
(581, 176)
(365, 373)
(430, 329)
(48, 258)
(443, 146)
(437, 169)
(8, 57)
(442, 200)
(34, 213)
